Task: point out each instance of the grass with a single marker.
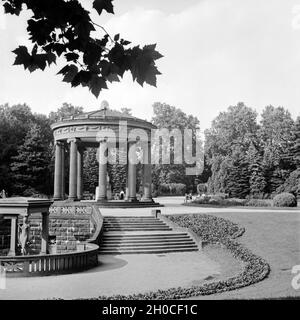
(275, 236)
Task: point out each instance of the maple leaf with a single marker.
(69, 72)
(106, 5)
(96, 84)
(82, 77)
(151, 48)
(143, 68)
(39, 61)
(23, 57)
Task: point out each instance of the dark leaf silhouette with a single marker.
(63, 28)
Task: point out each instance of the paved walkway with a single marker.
(122, 274)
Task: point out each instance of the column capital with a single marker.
(59, 143)
(102, 140)
(76, 140)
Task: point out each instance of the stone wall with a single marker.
(69, 224)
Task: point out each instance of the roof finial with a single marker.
(104, 105)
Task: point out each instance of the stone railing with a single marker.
(41, 265)
(97, 219)
(70, 209)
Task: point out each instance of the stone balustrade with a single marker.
(41, 265)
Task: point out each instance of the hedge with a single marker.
(214, 230)
(174, 189)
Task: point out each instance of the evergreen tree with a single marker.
(238, 185)
(31, 165)
(257, 181)
(277, 138)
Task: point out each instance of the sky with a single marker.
(216, 54)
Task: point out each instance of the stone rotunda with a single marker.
(102, 129)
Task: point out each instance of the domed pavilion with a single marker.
(102, 129)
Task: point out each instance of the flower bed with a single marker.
(213, 230)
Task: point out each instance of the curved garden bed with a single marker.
(212, 230)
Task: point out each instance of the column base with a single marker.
(58, 198)
(132, 200)
(71, 199)
(147, 200)
(101, 200)
(11, 254)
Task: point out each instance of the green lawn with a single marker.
(275, 236)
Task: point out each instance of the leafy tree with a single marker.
(31, 165)
(66, 110)
(296, 147)
(63, 28)
(127, 111)
(227, 141)
(15, 122)
(277, 139)
(170, 117)
(233, 128)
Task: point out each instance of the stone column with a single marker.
(147, 178)
(102, 171)
(132, 171)
(79, 173)
(45, 233)
(126, 189)
(13, 234)
(63, 182)
(73, 170)
(58, 172)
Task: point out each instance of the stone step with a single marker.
(147, 240)
(142, 235)
(147, 251)
(132, 219)
(136, 229)
(150, 244)
(110, 225)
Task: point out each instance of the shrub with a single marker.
(235, 202)
(172, 189)
(292, 184)
(285, 200)
(217, 200)
(213, 201)
(258, 203)
(222, 195)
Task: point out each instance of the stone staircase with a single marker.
(125, 235)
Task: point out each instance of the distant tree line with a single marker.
(244, 157)
(253, 158)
